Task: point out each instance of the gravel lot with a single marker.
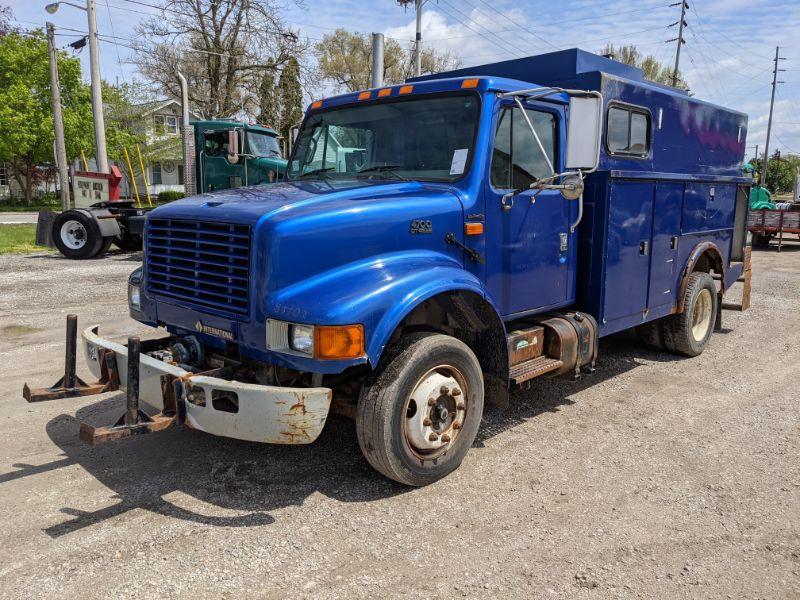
(655, 477)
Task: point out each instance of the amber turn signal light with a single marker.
(316, 104)
(469, 83)
(473, 228)
(339, 341)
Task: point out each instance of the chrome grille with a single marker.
(200, 263)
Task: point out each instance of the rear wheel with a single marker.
(129, 242)
(76, 235)
(419, 414)
(688, 332)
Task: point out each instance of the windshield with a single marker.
(262, 144)
(426, 138)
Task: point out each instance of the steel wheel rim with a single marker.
(430, 429)
(701, 316)
(73, 234)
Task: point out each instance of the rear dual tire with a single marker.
(76, 235)
(688, 332)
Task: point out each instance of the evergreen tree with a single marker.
(269, 113)
(290, 97)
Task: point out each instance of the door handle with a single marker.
(673, 242)
(644, 248)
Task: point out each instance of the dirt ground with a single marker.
(655, 477)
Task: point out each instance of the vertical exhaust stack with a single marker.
(189, 172)
(377, 60)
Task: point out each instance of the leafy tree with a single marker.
(781, 172)
(26, 118)
(653, 70)
(345, 60)
(223, 48)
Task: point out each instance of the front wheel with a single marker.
(420, 412)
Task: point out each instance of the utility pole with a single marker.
(58, 120)
(97, 94)
(763, 179)
(418, 42)
(418, 39)
(681, 24)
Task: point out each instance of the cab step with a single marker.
(535, 367)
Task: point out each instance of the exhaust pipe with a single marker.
(189, 163)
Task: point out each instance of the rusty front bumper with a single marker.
(244, 411)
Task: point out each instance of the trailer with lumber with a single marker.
(222, 155)
(485, 228)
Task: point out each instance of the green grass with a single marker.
(32, 208)
(18, 239)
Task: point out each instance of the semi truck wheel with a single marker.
(418, 415)
(688, 332)
(76, 235)
(129, 242)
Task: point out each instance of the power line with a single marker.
(520, 26)
(505, 44)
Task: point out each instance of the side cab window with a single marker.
(628, 131)
(517, 160)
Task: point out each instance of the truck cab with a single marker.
(232, 154)
(436, 243)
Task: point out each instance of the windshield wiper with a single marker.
(323, 171)
(383, 169)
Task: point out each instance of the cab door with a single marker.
(216, 172)
(528, 244)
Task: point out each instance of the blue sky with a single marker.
(727, 58)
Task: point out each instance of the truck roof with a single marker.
(226, 124)
(566, 68)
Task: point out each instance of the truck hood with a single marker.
(280, 201)
(301, 229)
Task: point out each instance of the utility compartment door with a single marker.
(627, 270)
(666, 235)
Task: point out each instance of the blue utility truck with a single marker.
(434, 244)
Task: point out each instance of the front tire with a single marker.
(420, 412)
(688, 332)
(76, 235)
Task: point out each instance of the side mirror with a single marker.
(293, 133)
(233, 146)
(584, 132)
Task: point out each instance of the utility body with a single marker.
(223, 155)
(436, 243)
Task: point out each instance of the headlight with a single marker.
(134, 289)
(301, 338)
(134, 297)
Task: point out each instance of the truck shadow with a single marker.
(165, 472)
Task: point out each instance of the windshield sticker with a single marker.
(295, 165)
(459, 161)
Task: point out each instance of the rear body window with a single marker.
(628, 131)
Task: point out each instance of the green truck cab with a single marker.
(231, 154)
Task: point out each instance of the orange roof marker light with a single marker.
(364, 95)
(384, 92)
(316, 104)
(470, 83)
(406, 89)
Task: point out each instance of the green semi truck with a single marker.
(218, 155)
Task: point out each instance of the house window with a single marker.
(3, 175)
(180, 175)
(166, 124)
(628, 131)
(156, 174)
(517, 160)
